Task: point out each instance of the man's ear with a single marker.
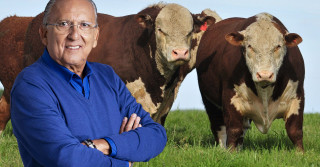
(43, 35)
(144, 20)
(96, 36)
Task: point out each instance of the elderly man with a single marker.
(66, 111)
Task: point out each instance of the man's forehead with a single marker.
(73, 9)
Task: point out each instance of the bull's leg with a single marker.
(235, 128)
(163, 119)
(294, 130)
(218, 127)
(4, 112)
(246, 127)
(157, 118)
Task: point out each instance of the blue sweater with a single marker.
(50, 119)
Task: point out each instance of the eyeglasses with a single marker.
(65, 26)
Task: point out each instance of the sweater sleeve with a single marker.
(43, 135)
(140, 144)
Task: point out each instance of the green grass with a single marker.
(9, 153)
(190, 143)
(1, 91)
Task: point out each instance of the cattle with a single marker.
(250, 69)
(152, 52)
(12, 35)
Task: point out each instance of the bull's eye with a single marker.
(189, 33)
(277, 48)
(250, 48)
(161, 32)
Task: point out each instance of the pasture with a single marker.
(190, 143)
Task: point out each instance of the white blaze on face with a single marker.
(139, 92)
(262, 109)
(173, 31)
(264, 47)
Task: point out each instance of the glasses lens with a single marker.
(85, 26)
(65, 26)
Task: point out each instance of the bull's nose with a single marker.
(265, 76)
(178, 54)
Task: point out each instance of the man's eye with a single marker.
(64, 24)
(85, 25)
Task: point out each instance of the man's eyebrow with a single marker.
(81, 21)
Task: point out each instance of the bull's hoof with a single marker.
(300, 150)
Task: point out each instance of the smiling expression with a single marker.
(70, 49)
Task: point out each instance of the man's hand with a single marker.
(133, 123)
(102, 145)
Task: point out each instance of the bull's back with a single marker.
(33, 47)
(216, 58)
(12, 36)
(119, 47)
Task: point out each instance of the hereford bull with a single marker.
(148, 50)
(251, 69)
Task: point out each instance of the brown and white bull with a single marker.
(148, 50)
(251, 69)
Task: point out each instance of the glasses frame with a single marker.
(57, 25)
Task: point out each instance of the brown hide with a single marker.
(12, 35)
(221, 66)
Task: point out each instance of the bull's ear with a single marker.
(235, 38)
(144, 20)
(202, 22)
(292, 39)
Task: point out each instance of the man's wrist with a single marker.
(113, 147)
(89, 143)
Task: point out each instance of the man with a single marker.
(66, 111)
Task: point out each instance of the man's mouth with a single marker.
(73, 47)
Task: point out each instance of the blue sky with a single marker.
(302, 17)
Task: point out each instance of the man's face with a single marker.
(70, 48)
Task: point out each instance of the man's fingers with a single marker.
(136, 123)
(124, 123)
(140, 125)
(131, 122)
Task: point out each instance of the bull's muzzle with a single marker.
(265, 76)
(180, 54)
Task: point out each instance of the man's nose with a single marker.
(74, 32)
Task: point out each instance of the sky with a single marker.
(301, 17)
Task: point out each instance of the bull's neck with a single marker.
(165, 68)
(265, 95)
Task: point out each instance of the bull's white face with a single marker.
(264, 47)
(264, 50)
(173, 31)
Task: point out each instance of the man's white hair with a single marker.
(51, 3)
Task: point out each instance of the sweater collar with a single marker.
(61, 70)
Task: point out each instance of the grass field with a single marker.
(190, 144)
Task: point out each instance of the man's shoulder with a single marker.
(104, 73)
(32, 72)
(101, 68)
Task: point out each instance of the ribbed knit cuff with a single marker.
(113, 147)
